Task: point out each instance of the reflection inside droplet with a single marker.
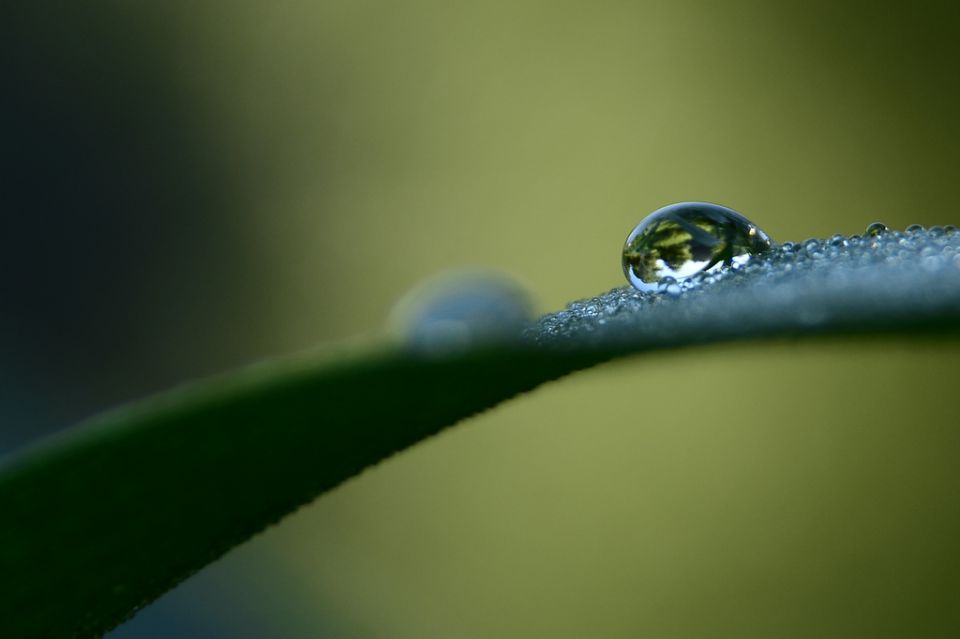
(876, 229)
(681, 240)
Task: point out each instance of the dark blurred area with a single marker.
(123, 267)
(121, 251)
(187, 187)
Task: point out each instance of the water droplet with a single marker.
(813, 248)
(838, 240)
(875, 229)
(455, 310)
(669, 286)
(949, 229)
(914, 228)
(681, 240)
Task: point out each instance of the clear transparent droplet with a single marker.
(681, 240)
(669, 286)
(876, 229)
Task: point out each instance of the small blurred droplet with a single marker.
(681, 240)
(459, 309)
(915, 228)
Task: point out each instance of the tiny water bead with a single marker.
(679, 241)
(875, 229)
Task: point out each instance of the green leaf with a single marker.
(101, 520)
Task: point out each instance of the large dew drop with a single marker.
(678, 241)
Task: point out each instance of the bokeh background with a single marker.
(189, 186)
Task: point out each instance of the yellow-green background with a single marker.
(291, 168)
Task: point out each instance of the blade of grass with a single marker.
(101, 520)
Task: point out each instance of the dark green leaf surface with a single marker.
(103, 519)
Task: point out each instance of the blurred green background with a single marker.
(191, 186)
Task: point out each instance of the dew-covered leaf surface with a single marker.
(845, 284)
(101, 520)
